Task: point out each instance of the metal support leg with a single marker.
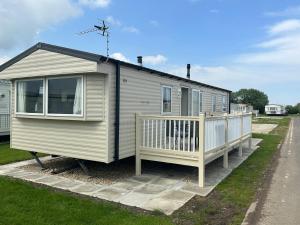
(250, 143)
(83, 166)
(225, 159)
(34, 154)
(138, 166)
(241, 149)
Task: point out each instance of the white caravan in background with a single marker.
(274, 109)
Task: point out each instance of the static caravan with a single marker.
(274, 109)
(4, 107)
(82, 105)
(240, 108)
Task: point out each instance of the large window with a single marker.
(30, 96)
(166, 99)
(196, 102)
(65, 96)
(214, 103)
(224, 103)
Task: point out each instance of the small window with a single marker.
(224, 103)
(214, 103)
(166, 99)
(30, 96)
(65, 96)
(196, 102)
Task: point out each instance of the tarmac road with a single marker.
(282, 204)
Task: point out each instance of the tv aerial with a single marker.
(101, 29)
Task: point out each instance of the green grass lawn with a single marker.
(8, 155)
(21, 203)
(25, 203)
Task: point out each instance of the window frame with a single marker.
(16, 100)
(82, 94)
(45, 97)
(224, 104)
(162, 99)
(200, 93)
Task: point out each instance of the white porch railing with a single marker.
(4, 122)
(192, 141)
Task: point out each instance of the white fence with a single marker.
(4, 122)
(192, 141)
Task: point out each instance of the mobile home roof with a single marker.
(95, 58)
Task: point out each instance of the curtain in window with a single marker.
(21, 101)
(77, 100)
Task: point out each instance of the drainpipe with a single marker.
(117, 112)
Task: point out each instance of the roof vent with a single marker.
(140, 60)
(188, 73)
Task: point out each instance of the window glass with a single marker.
(65, 96)
(224, 104)
(196, 103)
(30, 96)
(167, 99)
(214, 103)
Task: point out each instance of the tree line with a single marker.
(293, 109)
(254, 97)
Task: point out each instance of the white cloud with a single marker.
(117, 23)
(119, 56)
(95, 3)
(113, 21)
(131, 29)
(285, 26)
(281, 48)
(21, 21)
(154, 23)
(288, 12)
(154, 59)
(4, 59)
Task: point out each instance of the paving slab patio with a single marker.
(159, 188)
(263, 128)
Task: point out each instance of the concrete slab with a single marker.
(33, 177)
(176, 195)
(263, 128)
(150, 189)
(127, 184)
(19, 174)
(67, 184)
(195, 189)
(111, 194)
(144, 178)
(87, 189)
(136, 199)
(162, 205)
(50, 180)
(164, 181)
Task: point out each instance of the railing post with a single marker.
(138, 161)
(241, 138)
(225, 156)
(250, 138)
(201, 168)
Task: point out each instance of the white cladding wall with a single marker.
(42, 62)
(77, 139)
(141, 93)
(4, 101)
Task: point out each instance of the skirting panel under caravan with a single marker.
(76, 139)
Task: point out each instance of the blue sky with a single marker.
(230, 43)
